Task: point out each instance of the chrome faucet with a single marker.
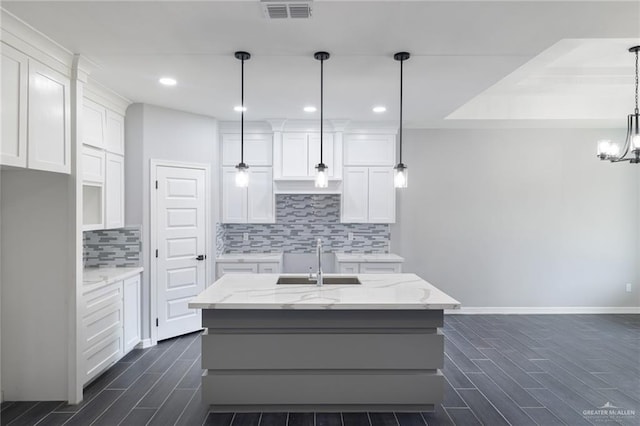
(318, 276)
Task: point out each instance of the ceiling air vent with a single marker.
(278, 9)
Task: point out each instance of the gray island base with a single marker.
(270, 347)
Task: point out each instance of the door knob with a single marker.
(201, 257)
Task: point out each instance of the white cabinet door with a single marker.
(260, 196)
(295, 161)
(13, 106)
(236, 268)
(93, 124)
(114, 133)
(114, 191)
(382, 195)
(48, 120)
(93, 165)
(369, 150)
(328, 157)
(258, 149)
(131, 299)
(355, 195)
(268, 268)
(380, 268)
(234, 199)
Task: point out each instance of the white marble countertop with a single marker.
(377, 291)
(107, 275)
(250, 257)
(368, 257)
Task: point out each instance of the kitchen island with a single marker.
(300, 347)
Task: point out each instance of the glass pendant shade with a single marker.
(322, 177)
(630, 150)
(400, 178)
(242, 175)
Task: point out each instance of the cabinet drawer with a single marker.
(380, 268)
(348, 268)
(236, 268)
(102, 323)
(268, 268)
(101, 355)
(98, 296)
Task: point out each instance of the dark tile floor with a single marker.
(500, 369)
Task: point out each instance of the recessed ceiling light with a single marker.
(310, 109)
(168, 81)
(379, 109)
(239, 108)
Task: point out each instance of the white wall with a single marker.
(163, 134)
(34, 207)
(520, 218)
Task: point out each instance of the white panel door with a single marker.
(234, 199)
(131, 310)
(49, 120)
(295, 161)
(114, 133)
(93, 124)
(114, 191)
(355, 195)
(327, 153)
(180, 226)
(260, 196)
(13, 106)
(382, 195)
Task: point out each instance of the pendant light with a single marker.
(400, 179)
(322, 178)
(242, 169)
(611, 151)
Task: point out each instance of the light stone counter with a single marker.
(377, 291)
(91, 276)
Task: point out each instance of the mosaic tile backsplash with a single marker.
(300, 220)
(112, 247)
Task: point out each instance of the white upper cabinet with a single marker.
(48, 131)
(13, 142)
(369, 150)
(93, 124)
(258, 149)
(114, 191)
(368, 195)
(93, 165)
(114, 132)
(382, 195)
(234, 199)
(254, 204)
(299, 154)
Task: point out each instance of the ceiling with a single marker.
(471, 62)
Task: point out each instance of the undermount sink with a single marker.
(304, 279)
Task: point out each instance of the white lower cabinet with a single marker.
(131, 296)
(369, 267)
(250, 263)
(110, 323)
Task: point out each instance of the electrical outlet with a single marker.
(245, 236)
(350, 236)
(628, 287)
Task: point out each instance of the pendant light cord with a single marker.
(636, 82)
(242, 113)
(401, 62)
(321, 104)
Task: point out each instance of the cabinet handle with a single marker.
(201, 257)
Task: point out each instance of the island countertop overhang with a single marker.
(376, 291)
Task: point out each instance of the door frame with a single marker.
(153, 233)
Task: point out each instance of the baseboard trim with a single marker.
(144, 344)
(542, 310)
